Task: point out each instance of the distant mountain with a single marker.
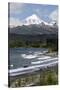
(53, 24)
(34, 25)
(33, 19)
(34, 29)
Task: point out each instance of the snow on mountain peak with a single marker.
(33, 19)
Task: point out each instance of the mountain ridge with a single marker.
(34, 19)
(34, 29)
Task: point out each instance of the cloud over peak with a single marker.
(54, 16)
(15, 22)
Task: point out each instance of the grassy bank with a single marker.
(47, 76)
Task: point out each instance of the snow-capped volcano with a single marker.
(33, 19)
(30, 20)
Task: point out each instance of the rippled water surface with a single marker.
(20, 57)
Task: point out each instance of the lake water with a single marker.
(22, 57)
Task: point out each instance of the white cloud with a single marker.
(16, 8)
(54, 16)
(38, 11)
(14, 22)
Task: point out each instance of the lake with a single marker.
(22, 57)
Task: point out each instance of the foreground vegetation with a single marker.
(47, 76)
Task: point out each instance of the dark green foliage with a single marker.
(51, 44)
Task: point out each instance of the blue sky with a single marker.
(19, 11)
